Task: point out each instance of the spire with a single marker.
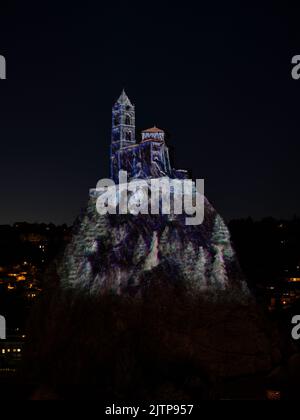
(123, 99)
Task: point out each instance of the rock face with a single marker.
(112, 253)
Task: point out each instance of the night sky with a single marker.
(217, 79)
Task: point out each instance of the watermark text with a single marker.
(2, 328)
(2, 67)
(296, 329)
(152, 196)
(296, 68)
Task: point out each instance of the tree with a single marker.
(140, 250)
(219, 278)
(221, 237)
(194, 268)
(118, 234)
(164, 243)
(188, 263)
(86, 274)
(200, 278)
(170, 245)
(152, 259)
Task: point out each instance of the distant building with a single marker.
(284, 294)
(293, 280)
(11, 353)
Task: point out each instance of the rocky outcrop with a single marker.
(112, 253)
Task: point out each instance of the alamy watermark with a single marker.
(296, 68)
(2, 67)
(296, 329)
(2, 328)
(152, 196)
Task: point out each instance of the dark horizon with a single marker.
(217, 79)
(293, 218)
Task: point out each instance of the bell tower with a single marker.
(123, 131)
(123, 123)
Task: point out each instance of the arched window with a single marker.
(127, 120)
(128, 136)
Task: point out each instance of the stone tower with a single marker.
(123, 127)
